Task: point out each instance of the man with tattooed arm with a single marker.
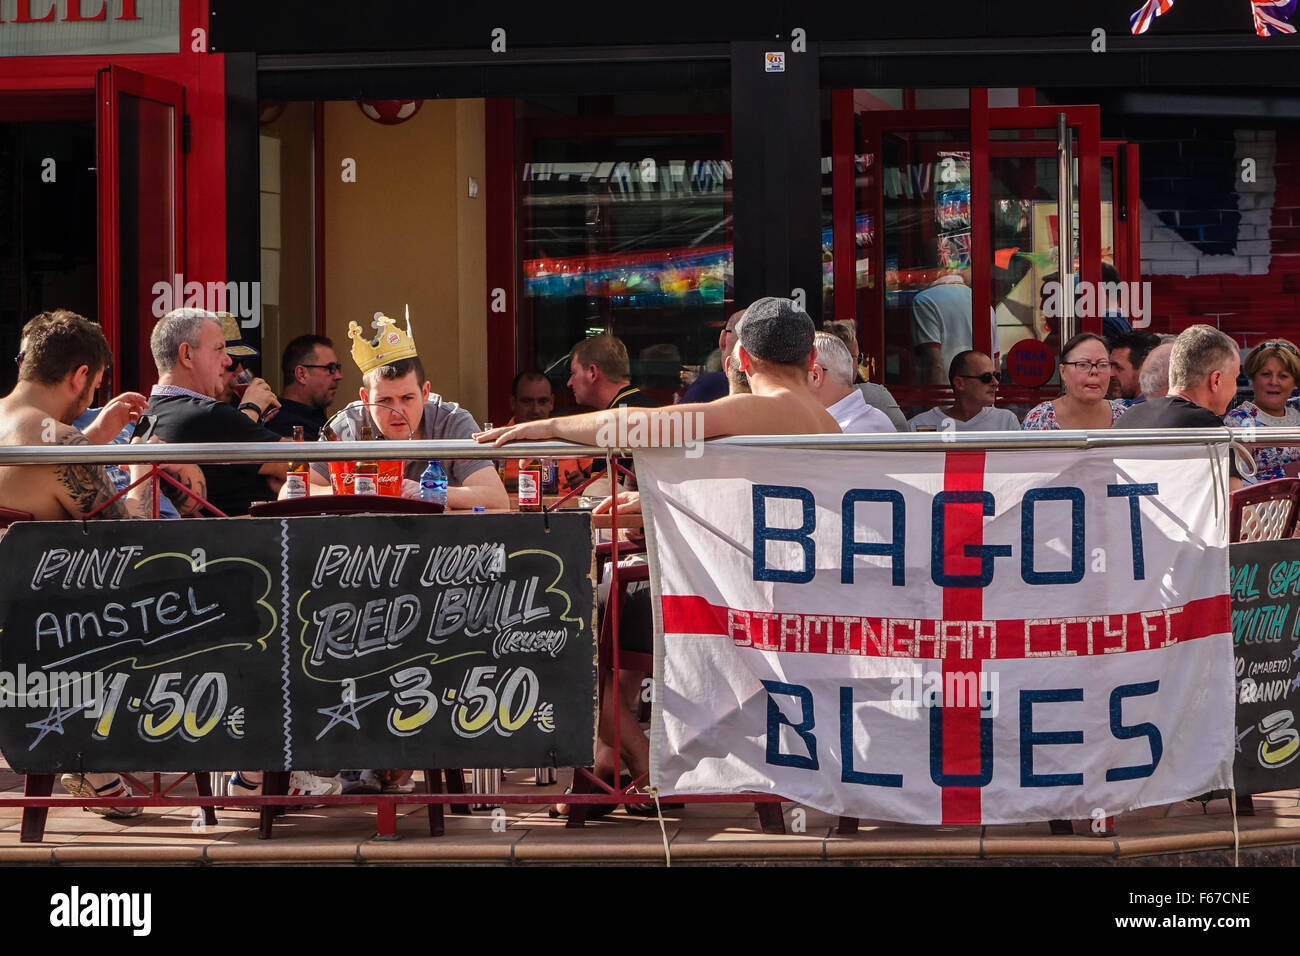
(63, 359)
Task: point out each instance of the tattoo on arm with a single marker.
(87, 486)
(193, 480)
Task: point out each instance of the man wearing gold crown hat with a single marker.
(398, 401)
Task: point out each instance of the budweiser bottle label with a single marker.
(530, 487)
(295, 485)
(365, 485)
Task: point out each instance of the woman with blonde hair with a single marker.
(1274, 370)
(1085, 377)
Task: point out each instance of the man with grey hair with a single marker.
(1203, 368)
(831, 380)
(189, 349)
(1153, 376)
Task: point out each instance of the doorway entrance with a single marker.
(971, 198)
(91, 180)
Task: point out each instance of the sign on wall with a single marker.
(88, 27)
(375, 641)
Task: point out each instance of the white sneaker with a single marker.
(236, 786)
(301, 784)
(91, 785)
(304, 784)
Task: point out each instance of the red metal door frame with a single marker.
(1085, 121)
(111, 84)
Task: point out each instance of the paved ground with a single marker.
(716, 833)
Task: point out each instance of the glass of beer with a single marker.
(341, 477)
(390, 477)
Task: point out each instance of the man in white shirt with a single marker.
(831, 380)
(974, 387)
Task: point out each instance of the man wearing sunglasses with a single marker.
(974, 388)
(311, 377)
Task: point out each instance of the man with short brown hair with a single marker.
(62, 361)
(600, 374)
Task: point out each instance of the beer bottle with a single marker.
(530, 484)
(366, 473)
(296, 478)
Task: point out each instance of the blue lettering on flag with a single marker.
(801, 535)
(1029, 738)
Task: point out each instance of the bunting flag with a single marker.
(1140, 21)
(1272, 16)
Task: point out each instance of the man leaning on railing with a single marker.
(63, 359)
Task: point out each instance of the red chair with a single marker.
(278, 782)
(627, 660)
(1267, 511)
(769, 813)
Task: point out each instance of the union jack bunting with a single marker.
(1140, 21)
(1272, 16)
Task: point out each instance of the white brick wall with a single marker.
(1165, 252)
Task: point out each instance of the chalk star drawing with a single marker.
(1243, 734)
(53, 722)
(346, 712)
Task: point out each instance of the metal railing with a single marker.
(260, 452)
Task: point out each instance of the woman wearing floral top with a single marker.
(1273, 369)
(1085, 374)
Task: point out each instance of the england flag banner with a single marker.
(942, 637)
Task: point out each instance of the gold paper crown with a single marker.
(389, 346)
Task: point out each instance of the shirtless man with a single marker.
(776, 354)
(62, 362)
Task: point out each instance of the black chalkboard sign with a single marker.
(389, 642)
(1266, 640)
(468, 648)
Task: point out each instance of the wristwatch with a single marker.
(254, 406)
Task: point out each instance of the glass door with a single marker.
(141, 211)
(966, 207)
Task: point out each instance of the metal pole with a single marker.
(1065, 226)
(244, 452)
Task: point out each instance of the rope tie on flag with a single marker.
(1219, 490)
(663, 832)
(1245, 458)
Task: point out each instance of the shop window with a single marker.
(625, 227)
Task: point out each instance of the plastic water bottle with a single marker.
(433, 485)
